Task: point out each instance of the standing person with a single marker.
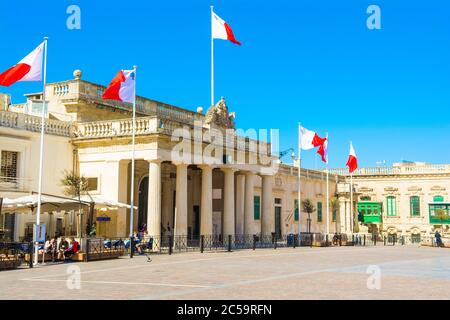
(54, 248)
(437, 235)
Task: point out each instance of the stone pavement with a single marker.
(407, 272)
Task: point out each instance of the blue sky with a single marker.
(313, 62)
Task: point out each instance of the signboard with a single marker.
(103, 219)
(39, 233)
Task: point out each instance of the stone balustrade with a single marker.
(399, 170)
(22, 121)
(74, 90)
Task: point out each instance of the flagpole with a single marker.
(328, 191)
(299, 196)
(41, 155)
(132, 160)
(351, 199)
(212, 61)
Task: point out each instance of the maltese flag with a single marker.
(310, 139)
(28, 69)
(352, 162)
(122, 87)
(221, 30)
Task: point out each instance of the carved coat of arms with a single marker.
(218, 115)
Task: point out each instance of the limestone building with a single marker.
(195, 174)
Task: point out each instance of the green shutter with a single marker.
(391, 206)
(333, 215)
(319, 211)
(414, 206)
(296, 209)
(257, 207)
(438, 199)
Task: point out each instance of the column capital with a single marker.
(180, 164)
(228, 169)
(206, 166)
(159, 161)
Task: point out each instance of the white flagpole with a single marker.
(212, 61)
(132, 157)
(41, 155)
(299, 196)
(328, 191)
(351, 199)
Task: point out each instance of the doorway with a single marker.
(143, 202)
(278, 222)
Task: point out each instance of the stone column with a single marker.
(206, 202)
(154, 200)
(240, 187)
(342, 216)
(249, 204)
(228, 205)
(181, 201)
(268, 216)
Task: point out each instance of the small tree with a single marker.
(334, 206)
(75, 186)
(309, 208)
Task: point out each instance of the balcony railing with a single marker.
(22, 121)
(396, 170)
(14, 184)
(74, 90)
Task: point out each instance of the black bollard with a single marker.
(294, 241)
(229, 243)
(202, 243)
(364, 240)
(311, 238)
(131, 248)
(170, 245)
(254, 242)
(30, 252)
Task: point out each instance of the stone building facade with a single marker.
(235, 187)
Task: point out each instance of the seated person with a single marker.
(63, 246)
(74, 247)
(143, 244)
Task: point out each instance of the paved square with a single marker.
(407, 272)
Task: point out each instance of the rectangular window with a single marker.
(92, 184)
(438, 199)
(277, 201)
(415, 206)
(391, 206)
(333, 216)
(257, 207)
(8, 167)
(296, 209)
(319, 211)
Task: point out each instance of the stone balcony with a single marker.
(27, 122)
(74, 91)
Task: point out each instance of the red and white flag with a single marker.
(221, 30)
(323, 150)
(352, 162)
(122, 87)
(28, 69)
(310, 139)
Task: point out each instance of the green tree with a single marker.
(334, 206)
(309, 208)
(75, 186)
